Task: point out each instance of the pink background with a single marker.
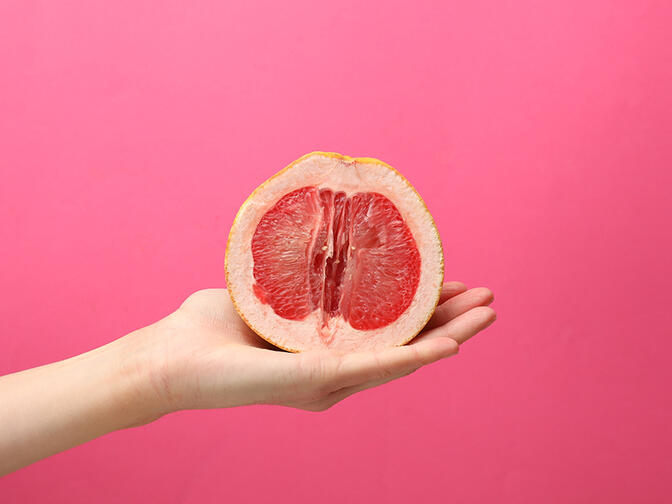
(538, 134)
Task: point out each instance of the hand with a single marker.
(204, 356)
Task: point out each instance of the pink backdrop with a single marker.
(539, 135)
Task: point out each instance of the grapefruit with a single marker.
(335, 252)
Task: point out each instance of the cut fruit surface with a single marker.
(335, 252)
(352, 256)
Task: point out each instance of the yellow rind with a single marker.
(335, 155)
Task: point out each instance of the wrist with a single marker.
(136, 394)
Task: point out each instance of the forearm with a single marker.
(55, 407)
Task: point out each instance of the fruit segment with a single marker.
(351, 256)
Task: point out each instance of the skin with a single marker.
(204, 356)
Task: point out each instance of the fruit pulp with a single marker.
(351, 256)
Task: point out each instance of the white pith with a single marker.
(350, 176)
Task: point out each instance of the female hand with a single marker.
(204, 356)
(207, 357)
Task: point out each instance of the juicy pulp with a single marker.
(347, 255)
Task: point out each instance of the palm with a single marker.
(212, 310)
(222, 362)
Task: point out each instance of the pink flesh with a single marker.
(349, 256)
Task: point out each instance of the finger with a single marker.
(341, 394)
(480, 296)
(357, 368)
(462, 327)
(451, 289)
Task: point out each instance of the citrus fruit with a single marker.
(334, 252)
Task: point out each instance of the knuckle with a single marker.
(316, 375)
(420, 357)
(324, 372)
(384, 370)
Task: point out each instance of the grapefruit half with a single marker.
(335, 252)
